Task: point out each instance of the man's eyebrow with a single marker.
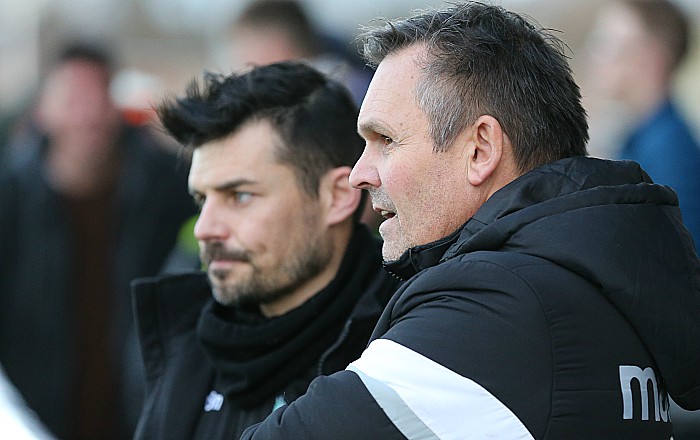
(227, 186)
(233, 184)
(371, 126)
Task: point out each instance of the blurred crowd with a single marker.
(92, 195)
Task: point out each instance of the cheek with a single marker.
(401, 183)
(435, 203)
(275, 229)
(411, 201)
(250, 232)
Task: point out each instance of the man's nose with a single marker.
(364, 174)
(210, 225)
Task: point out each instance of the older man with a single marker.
(548, 295)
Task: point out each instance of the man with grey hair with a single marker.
(549, 295)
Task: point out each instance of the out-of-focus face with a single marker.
(423, 195)
(261, 46)
(261, 236)
(621, 53)
(77, 112)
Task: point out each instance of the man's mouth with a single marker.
(386, 214)
(215, 253)
(382, 204)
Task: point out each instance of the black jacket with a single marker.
(541, 318)
(37, 284)
(199, 382)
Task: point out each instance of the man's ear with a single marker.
(486, 144)
(339, 198)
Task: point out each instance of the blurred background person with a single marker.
(96, 204)
(635, 49)
(269, 31)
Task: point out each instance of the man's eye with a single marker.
(242, 197)
(387, 140)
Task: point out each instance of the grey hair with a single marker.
(482, 59)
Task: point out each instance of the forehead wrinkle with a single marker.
(376, 118)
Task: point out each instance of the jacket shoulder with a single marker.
(167, 310)
(164, 308)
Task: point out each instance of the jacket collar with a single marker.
(420, 257)
(484, 231)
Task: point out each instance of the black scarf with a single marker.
(256, 357)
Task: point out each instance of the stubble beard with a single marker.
(262, 286)
(393, 246)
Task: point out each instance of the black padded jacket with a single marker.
(566, 308)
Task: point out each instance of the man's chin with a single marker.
(224, 293)
(224, 298)
(239, 295)
(392, 252)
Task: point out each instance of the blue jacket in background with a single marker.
(666, 148)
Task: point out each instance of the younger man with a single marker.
(297, 281)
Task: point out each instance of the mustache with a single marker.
(379, 198)
(217, 251)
